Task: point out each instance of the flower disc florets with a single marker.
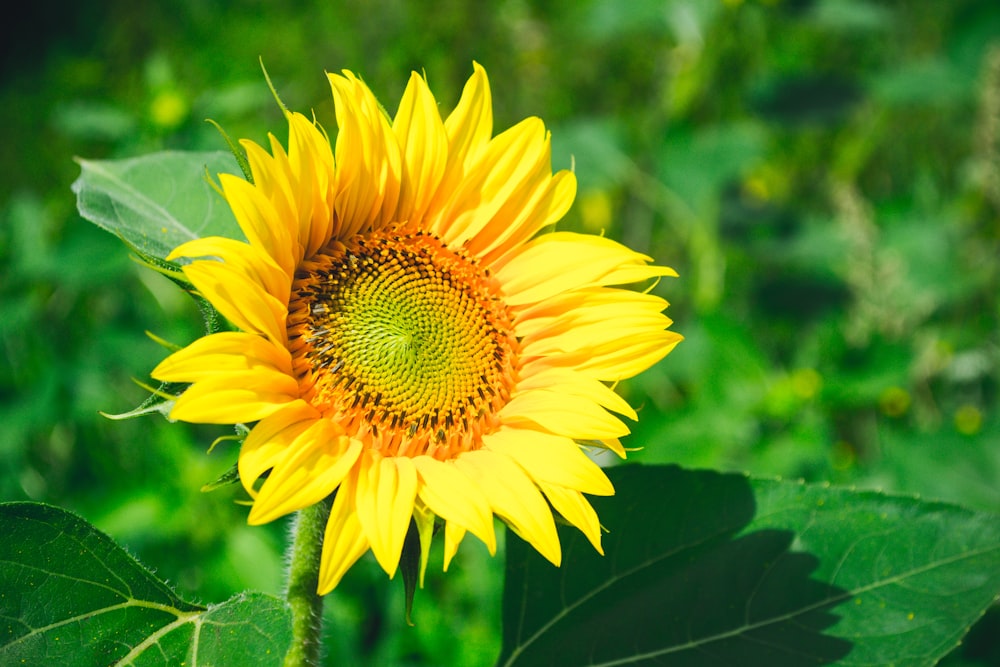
(404, 341)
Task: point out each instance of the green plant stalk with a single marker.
(303, 578)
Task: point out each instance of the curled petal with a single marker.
(240, 299)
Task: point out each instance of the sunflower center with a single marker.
(403, 341)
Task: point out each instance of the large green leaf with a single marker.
(705, 569)
(157, 201)
(70, 596)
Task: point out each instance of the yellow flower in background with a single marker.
(407, 339)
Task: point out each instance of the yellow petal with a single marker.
(515, 498)
(268, 441)
(561, 261)
(316, 463)
(424, 145)
(344, 541)
(563, 414)
(271, 184)
(634, 273)
(550, 207)
(264, 225)
(550, 458)
(568, 381)
(235, 398)
(507, 210)
(367, 157)
(451, 495)
(424, 520)
(292, 199)
(506, 169)
(255, 265)
(223, 353)
(592, 333)
(387, 488)
(242, 301)
(574, 508)
(311, 164)
(453, 536)
(611, 361)
(469, 128)
(564, 313)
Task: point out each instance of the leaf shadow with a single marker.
(681, 585)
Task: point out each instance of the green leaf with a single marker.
(705, 569)
(157, 201)
(70, 596)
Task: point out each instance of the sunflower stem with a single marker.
(303, 579)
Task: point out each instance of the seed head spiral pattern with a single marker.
(403, 340)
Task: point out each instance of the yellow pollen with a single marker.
(403, 341)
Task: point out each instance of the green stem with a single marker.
(303, 578)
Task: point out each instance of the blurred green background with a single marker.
(824, 174)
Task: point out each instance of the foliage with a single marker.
(81, 600)
(823, 173)
(753, 572)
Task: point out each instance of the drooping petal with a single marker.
(453, 536)
(387, 488)
(454, 497)
(344, 541)
(574, 508)
(515, 498)
(424, 519)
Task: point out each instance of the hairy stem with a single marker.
(303, 577)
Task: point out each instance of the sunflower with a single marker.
(404, 336)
